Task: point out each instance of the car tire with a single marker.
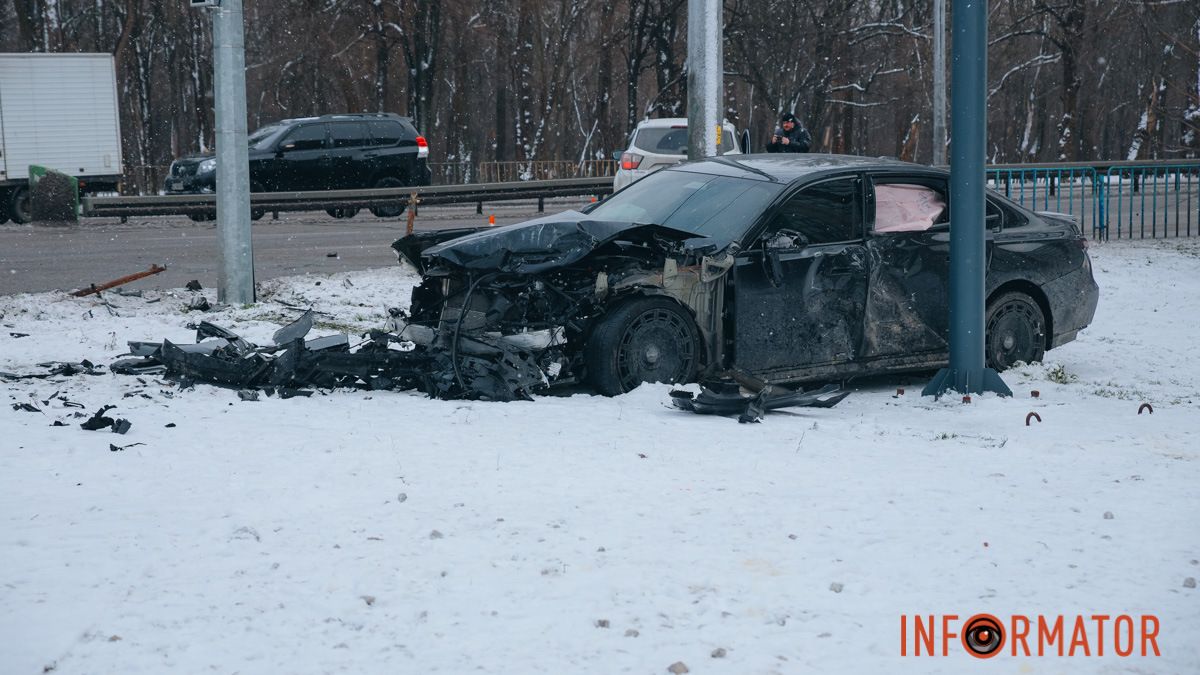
(1016, 331)
(345, 212)
(390, 211)
(20, 206)
(199, 217)
(643, 340)
(256, 214)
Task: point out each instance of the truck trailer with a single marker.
(59, 111)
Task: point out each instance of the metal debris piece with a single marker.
(99, 421)
(154, 269)
(726, 398)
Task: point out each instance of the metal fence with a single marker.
(462, 173)
(1121, 200)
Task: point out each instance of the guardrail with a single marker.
(1129, 199)
(206, 204)
(1112, 199)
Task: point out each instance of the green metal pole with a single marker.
(968, 261)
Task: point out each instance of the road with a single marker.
(41, 258)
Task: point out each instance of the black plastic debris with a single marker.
(727, 398)
(56, 368)
(414, 357)
(193, 285)
(18, 335)
(27, 407)
(119, 448)
(99, 421)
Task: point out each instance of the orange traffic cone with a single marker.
(492, 219)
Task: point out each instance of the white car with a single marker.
(663, 142)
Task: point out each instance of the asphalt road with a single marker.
(42, 258)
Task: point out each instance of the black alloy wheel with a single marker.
(1016, 331)
(644, 340)
(391, 210)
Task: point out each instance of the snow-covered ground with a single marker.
(382, 532)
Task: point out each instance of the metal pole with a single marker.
(939, 82)
(706, 76)
(235, 283)
(967, 372)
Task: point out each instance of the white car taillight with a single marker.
(630, 161)
(422, 147)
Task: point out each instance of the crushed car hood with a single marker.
(533, 246)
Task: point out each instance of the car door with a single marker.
(302, 158)
(908, 307)
(347, 141)
(800, 287)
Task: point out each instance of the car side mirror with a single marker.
(286, 147)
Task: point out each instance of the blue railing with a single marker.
(1121, 200)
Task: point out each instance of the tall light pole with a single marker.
(967, 372)
(706, 77)
(235, 279)
(939, 82)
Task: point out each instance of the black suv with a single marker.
(330, 152)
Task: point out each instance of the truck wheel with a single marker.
(19, 206)
(644, 340)
(390, 211)
(1016, 331)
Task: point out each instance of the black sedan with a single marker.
(790, 268)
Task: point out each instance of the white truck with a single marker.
(59, 111)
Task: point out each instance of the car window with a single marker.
(908, 207)
(1003, 215)
(306, 137)
(723, 207)
(824, 213)
(386, 132)
(348, 134)
(261, 139)
(673, 140)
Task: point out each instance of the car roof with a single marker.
(348, 117)
(666, 122)
(786, 167)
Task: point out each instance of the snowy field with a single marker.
(382, 532)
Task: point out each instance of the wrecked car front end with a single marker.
(513, 309)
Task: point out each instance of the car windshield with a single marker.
(673, 140)
(261, 139)
(722, 207)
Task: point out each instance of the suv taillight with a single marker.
(422, 147)
(630, 161)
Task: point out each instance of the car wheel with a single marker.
(20, 206)
(1016, 331)
(344, 212)
(390, 211)
(199, 217)
(256, 214)
(646, 340)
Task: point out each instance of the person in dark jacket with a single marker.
(789, 136)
